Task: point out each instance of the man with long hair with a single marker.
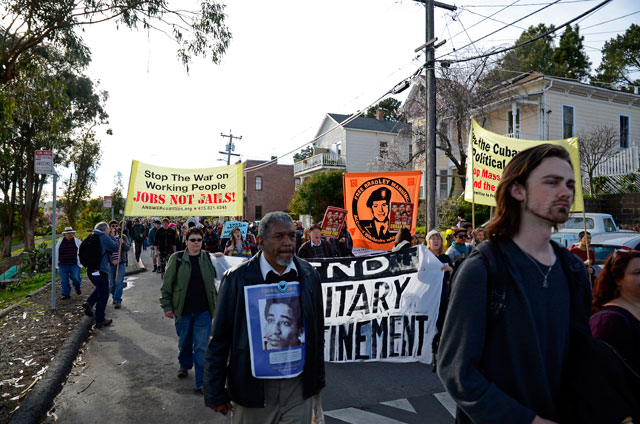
(509, 370)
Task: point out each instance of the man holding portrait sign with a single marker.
(265, 359)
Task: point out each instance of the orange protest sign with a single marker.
(368, 198)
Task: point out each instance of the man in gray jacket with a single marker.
(509, 371)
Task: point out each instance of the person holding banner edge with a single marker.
(226, 381)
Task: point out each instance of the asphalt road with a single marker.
(126, 373)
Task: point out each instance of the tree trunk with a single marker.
(591, 188)
(6, 246)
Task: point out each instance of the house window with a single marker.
(624, 131)
(258, 183)
(383, 148)
(298, 181)
(444, 184)
(510, 129)
(568, 118)
(339, 148)
(258, 212)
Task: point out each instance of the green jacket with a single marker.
(176, 282)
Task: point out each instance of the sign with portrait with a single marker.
(368, 198)
(332, 221)
(401, 216)
(379, 308)
(276, 329)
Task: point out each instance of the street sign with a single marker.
(106, 202)
(43, 163)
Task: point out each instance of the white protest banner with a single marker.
(382, 307)
(230, 225)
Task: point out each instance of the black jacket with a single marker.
(227, 361)
(308, 252)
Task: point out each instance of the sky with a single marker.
(288, 64)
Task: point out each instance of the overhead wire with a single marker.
(524, 4)
(488, 17)
(493, 19)
(338, 125)
(506, 26)
(611, 20)
(529, 41)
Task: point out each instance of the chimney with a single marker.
(379, 114)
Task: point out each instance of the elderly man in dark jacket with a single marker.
(228, 369)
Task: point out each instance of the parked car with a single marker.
(604, 244)
(596, 223)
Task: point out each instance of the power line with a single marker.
(524, 4)
(501, 28)
(493, 19)
(611, 20)
(524, 43)
(488, 17)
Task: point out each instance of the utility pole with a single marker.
(230, 147)
(430, 111)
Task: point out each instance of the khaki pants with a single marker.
(284, 405)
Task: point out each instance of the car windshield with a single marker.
(578, 224)
(602, 253)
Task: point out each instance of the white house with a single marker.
(352, 145)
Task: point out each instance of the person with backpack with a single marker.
(118, 263)
(189, 297)
(511, 369)
(94, 252)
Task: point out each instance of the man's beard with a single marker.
(549, 215)
(284, 261)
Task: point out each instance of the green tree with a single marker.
(85, 160)
(536, 56)
(570, 59)
(316, 193)
(51, 101)
(28, 25)
(117, 197)
(620, 59)
(390, 109)
(305, 153)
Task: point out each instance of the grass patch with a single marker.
(17, 291)
(38, 242)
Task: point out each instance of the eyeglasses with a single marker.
(464, 236)
(198, 240)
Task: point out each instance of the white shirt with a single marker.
(265, 267)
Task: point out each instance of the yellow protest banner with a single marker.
(489, 153)
(158, 191)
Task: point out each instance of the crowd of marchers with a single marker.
(527, 332)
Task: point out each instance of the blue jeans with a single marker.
(193, 336)
(100, 294)
(65, 272)
(115, 285)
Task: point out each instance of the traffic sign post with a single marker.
(107, 202)
(43, 164)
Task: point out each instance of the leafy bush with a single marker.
(37, 260)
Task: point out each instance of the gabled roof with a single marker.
(370, 124)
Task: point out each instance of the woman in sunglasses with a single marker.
(189, 297)
(616, 303)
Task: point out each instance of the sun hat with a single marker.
(431, 233)
(68, 230)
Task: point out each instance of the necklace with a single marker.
(545, 284)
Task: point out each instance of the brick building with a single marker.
(266, 189)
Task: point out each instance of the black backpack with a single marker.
(598, 386)
(90, 252)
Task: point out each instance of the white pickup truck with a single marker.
(597, 223)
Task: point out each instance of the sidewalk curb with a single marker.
(37, 402)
